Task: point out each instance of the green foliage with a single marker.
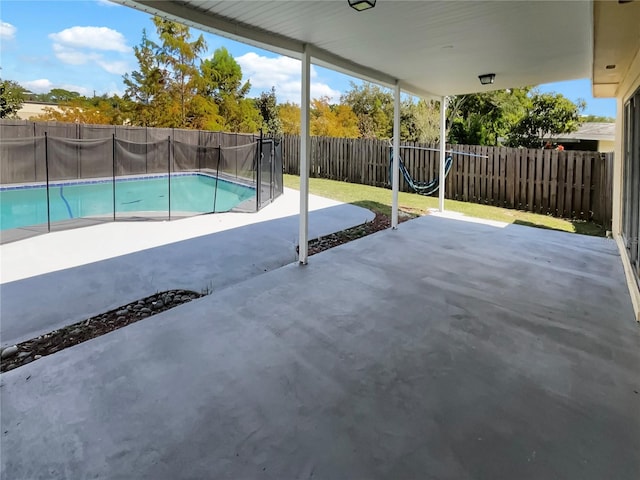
(596, 118)
(222, 83)
(549, 115)
(268, 108)
(373, 106)
(56, 95)
(485, 118)
(420, 121)
(146, 92)
(165, 91)
(11, 98)
(222, 76)
(177, 57)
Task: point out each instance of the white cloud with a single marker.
(93, 38)
(7, 31)
(73, 56)
(83, 45)
(283, 73)
(44, 85)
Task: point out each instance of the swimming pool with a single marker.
(191, 193)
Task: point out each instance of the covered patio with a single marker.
(444, 349)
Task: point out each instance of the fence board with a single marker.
(587, 211)
(577, 193)
(502, 178)
(569, 186)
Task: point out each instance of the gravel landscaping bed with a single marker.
(36, 348)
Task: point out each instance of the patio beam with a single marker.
(443, 142)
(395, 183)
(305, 147)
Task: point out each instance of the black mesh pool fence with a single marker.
(50, 183)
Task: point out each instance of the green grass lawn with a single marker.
(379, 200)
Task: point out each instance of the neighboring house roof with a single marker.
(592, 131)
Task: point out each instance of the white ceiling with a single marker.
(433, 48)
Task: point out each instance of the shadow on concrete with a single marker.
(42, 303)
(581, 227)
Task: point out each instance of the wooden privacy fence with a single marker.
(568, 184)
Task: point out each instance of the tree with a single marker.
(165, 90)
(333, 120)
(268, 108)
(289, 114)
(596, 118)
(60, 95)
(373, 107)
(11, 98)
(486, 118)
(146, 87)
(549, 115)
(222, 82)
(420, 121)
(178, 56)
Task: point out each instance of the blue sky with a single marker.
(86, 46)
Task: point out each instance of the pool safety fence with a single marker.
(50, 183)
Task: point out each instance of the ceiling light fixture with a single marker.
(487, 78)
(361, 5)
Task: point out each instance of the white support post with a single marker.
(443, 143)
(395, 181)
(305, 153)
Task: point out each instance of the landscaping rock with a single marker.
(122, 312)
(9, 352)
(145, 310)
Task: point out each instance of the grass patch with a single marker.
(379, 200)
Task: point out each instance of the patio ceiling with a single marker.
(433, 48)
(616, 41)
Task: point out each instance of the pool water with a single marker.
(193, 193)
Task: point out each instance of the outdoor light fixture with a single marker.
(361, 5)
(487, 78)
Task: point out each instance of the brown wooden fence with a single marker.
(568, 184)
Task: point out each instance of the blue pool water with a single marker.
(194, 193)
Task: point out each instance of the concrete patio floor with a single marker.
(61, 278)
(442, 350)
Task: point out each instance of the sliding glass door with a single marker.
(631, 188)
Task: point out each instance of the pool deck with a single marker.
(442, 350)
(60, 278)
